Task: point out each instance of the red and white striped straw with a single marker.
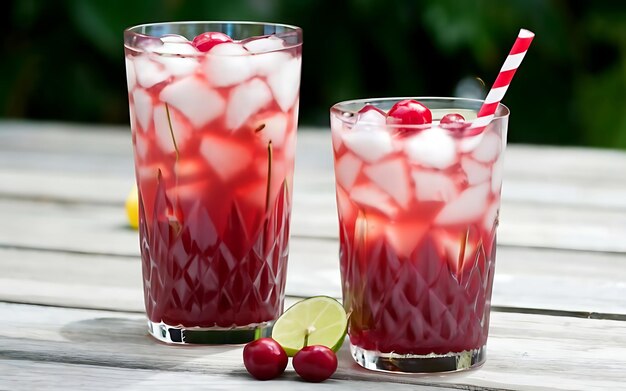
(514, 59)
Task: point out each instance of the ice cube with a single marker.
(467, 207)
(277, 179)
(290, 145)
(245, 100)
(131, 78)
(344, 205)
(228, 64)
(227, 157)
(253, 194)
(336, 128)
(164, 135)
(177, 55)
(404, 237)
(369, 227)
(141, 146)
(176, 48)
(469, 143)
(265, 44)
(489, 148)
(432, 147)
(491, 215)
(372, 117)
(459, 247)
(188, 169)
(476, 172)
(274, 129)
(192, 97)
(285, 83)
(191, 191)
(133, 118)
(174, 38)
(496, 175)
(392, 177)
(347, 170)
(147, 172)
(370, 146)
(149, 73)
(143, 108)
(179, 66)
(433, 186)
(371, 197)
(266, 63)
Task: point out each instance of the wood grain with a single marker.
(50, 171)
(80, 155)
(28, 375)
(526, 352)
(525, 278)
(64, 243)
(102, 228)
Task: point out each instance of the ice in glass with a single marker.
(418, 196)
(214, 110)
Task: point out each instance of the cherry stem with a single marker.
(169, 122)
(269, 176)
(464, 239)
(307, 332)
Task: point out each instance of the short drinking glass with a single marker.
(418, 211)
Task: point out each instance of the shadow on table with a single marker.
(125, 342)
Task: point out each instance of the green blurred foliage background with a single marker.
(63, 60)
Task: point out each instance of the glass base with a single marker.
(414, 363)
(209, 336)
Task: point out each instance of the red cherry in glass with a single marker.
(315, 363)
(409, 112)
(453, 121)
(264, 358)
(205, 41)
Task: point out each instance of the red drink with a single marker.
(214, 138)
(418, 207)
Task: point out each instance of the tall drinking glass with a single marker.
(214, 133)
(418, 210)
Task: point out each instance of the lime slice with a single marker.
(319, 320)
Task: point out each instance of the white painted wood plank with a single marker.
(525, 278)
(526, 352)
(524, 161)
(102, 228)
(521, 224)
(80, 155)
(27, 375)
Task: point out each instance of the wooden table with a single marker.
(70, 279)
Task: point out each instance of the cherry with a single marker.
(453, 121)
(409, 112)
(315, 363)
(205, 41)
(264, 358)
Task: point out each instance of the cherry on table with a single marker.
(264, 358)
(315, 363)
(409, 112)
(205, 41)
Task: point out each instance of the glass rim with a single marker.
(292, 30)
(349, 116)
